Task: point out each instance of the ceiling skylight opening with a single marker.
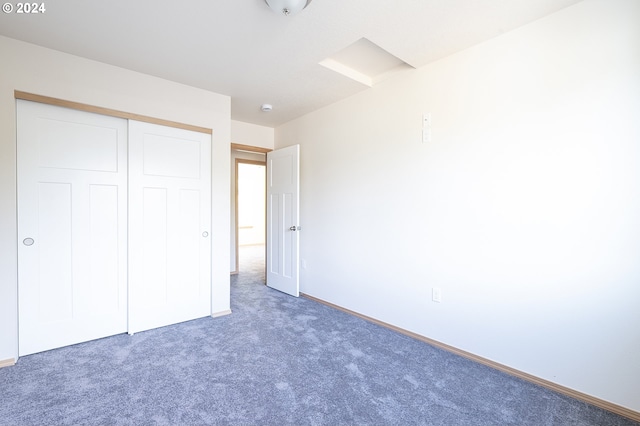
(365, 62)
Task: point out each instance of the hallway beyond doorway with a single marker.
(252, 260)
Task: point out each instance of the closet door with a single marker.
(169, 225)
(72, 215)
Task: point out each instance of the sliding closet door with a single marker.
(169, 225)
(72, 215)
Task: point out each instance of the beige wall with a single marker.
(524, 208)
(33, 69)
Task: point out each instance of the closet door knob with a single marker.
(205, 234)
(28, 241)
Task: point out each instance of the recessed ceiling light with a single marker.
(266, 107)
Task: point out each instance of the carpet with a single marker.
(277, 360)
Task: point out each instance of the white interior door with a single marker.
(169, 225)
(72, 197)
(283, 193)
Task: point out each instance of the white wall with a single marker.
(524, 208)
(245, 134)
(252, 134)
(33, 69)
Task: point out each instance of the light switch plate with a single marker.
(426, 127)
(436, 294)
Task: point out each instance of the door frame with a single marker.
(255, 150)
(237, 226)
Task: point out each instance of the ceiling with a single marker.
(243, 49)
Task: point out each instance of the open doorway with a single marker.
(247, 155)
(251, 241)
(250, 215)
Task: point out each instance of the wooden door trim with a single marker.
(7, 362)
(258, 163)
(249, 148)
(107, 111)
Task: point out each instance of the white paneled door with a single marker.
(169, 225)
(113, 226)
(72, 216)
(283, 189)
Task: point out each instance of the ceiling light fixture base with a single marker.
(287, 7)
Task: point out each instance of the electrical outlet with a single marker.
(436, 294)
(304, 263)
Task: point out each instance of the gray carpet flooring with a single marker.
(277, 360)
